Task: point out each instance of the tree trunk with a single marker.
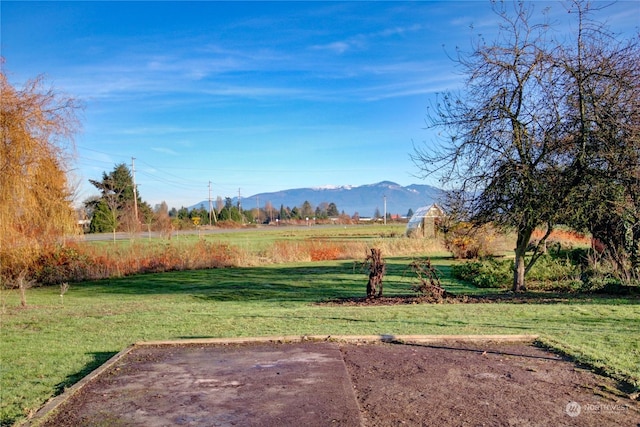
(519, 268)
(376, 272)
(635, 251)
(518, 273)
(23, 285)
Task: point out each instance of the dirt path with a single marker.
(331, 383)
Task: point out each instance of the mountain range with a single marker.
(364, 199)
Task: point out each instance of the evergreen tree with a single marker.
(116, 202)
(306, 211)
(295, 213)
(283, 214)
(332, 210)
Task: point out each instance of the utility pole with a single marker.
(209, 202)
(258, 206)
(385, 210)
(240, 205)
(135, 189)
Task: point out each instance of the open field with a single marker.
(87, 259)
(56, 341)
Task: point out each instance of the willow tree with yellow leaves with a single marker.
(38, 125)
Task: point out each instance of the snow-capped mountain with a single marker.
(364, 199)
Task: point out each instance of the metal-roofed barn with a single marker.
(424, 221)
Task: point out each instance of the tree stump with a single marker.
(377, 269)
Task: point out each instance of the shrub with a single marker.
(78, 261)
(324, 251)
(601, 285)
(465, 241)
(553, 269)
(428, 279)
(61, 264)
(488, 273)
(548, 273)
(601, 275)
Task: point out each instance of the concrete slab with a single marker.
(262, 384)
(340, 381)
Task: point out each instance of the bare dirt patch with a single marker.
(462, 384)
(448, 298)
(336, 383)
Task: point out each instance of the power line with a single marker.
(164, 172)
(179, 185)
(160, 177)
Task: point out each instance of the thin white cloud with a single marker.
(431, 82)
(335, 47)
(164, 150)
(399, 30)
(155, 130)
(362, 41)
(255, 91)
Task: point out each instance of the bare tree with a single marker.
(163, 221)
(602, 80)
(128, 220)
(494, 150)
(518, 139)
(268, 209)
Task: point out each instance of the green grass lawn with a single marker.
(50, 345)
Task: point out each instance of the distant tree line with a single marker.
(119, 209)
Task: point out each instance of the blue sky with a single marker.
(256, 96)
